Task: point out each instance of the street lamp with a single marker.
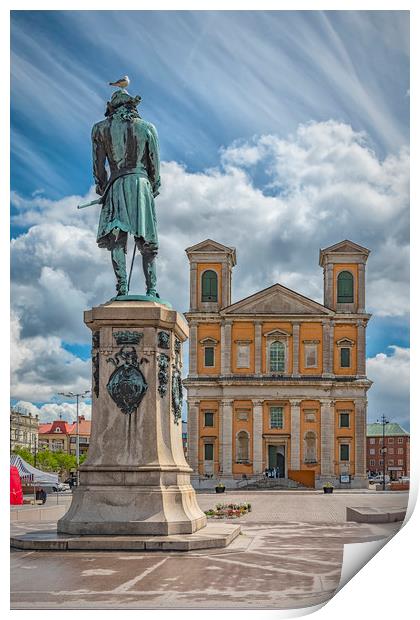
(384, 421)
(77, 397)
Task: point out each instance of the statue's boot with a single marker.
(118, 263)
(149, 254)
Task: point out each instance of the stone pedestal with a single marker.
(135, 480)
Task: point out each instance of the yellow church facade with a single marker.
(277, 380)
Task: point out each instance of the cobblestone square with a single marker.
(288, 555)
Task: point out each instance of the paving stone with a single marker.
(288, 555)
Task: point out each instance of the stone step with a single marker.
(273, 483)
(213, 536)
(365, 514)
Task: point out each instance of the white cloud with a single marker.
(324, 184)
(277, 200)
(268, 71)
(390, 393)
(41, 367)
(42, 210)
(57, 273)
(56, 411)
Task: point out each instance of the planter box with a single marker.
(219, 489)
(328, 489)
(400, 486)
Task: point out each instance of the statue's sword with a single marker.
(90, 204)
(101, 199)
(131, 268)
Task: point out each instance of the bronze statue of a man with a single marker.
(130, 146)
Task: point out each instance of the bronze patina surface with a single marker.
(130, 147)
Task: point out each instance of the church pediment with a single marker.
(209, 246)
(343, 251)
(347, 246)
(345, 342)
(277, 333)
(209, 341)
(276, 300)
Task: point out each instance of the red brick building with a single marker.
(397, 450)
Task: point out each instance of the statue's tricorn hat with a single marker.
(120, 98)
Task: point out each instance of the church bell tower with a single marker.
(211, 266)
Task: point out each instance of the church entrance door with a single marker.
(280, 464)
(276, 459)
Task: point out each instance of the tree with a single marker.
(25, 454)
(64, 462)
(47, 460)
(59, 462)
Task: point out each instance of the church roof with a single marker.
(209, 246)
(343, 247)
(57, 426)
(67, 428)
(84, 427)
(391, 429)
(276, 299)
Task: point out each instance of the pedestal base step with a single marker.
(367, 514)
(213, 536)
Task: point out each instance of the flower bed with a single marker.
(228, 511)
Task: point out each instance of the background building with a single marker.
(397, 444)
(54, 436)
(84, 436)
(185, 438)
(60, 436)
(23, 430)
(276, 379)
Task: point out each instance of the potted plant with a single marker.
(328, 487)
(220, 488)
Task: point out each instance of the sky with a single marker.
(281, 132)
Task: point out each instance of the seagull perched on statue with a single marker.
(121, 83)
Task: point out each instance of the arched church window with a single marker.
(345, 288)
(242, 446)
(277, 355)
(209, 286)
(310, 447)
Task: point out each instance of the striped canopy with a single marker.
(30, 474)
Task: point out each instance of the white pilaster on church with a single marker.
(327, 437)
(361, 349)
(296, 338)
(193, 287)
(326, 348)
(258, 347)
(257, 422)
(295, 434)
(193, 349)
(331, 349)
(225, 292)
(227, 436)
(328, 286)
(193, 434)
(226, 345)
(361, 287)
(360, 437)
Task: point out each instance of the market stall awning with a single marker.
(30, 474)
